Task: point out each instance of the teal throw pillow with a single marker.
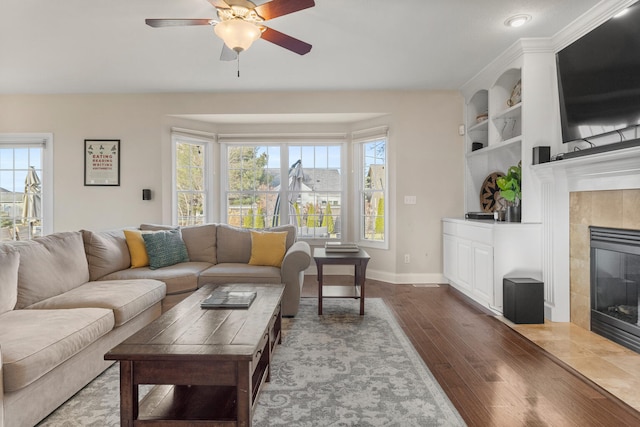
(165, 248)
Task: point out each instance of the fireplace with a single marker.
(615, 283)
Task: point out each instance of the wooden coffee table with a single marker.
(208, 364)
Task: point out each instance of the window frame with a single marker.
(207, 141)
(359, 139)
(284, 142)
(46, 141)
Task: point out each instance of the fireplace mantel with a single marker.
(611, 170)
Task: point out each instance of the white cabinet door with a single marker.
(483, 273)
(450, 260)
(465, 260)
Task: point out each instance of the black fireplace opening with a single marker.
(615, 282)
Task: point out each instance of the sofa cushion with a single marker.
(36, 341)
(200, 241)
(165, 248)
(127, 298)
(268, 248)
(107, 251)
(137, 248)
(179, 278)
(50, 266)
(240, 273)
(9, 263)
(234, 244)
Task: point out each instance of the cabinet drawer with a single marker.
(475, 233)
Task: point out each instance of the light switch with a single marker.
(409, 200)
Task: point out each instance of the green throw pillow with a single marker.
(165, 248)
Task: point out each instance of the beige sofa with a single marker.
(68, 298)
(218, 254)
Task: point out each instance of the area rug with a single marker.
(338, 369)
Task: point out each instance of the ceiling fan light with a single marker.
(237, 34)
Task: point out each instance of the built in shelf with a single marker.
(512, 112)
(509, 143)
(482, 126)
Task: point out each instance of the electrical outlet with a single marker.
(407, 258)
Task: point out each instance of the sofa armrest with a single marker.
(295, 262)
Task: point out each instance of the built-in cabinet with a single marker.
(478, 254)
(509, 110)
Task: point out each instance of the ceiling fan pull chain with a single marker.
(238, 59)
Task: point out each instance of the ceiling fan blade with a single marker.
(228, 54)
(276, 8)
(285, 41)
(218, 3)
(178, 22)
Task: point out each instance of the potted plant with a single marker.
(511, 192)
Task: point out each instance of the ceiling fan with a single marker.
(240, 23)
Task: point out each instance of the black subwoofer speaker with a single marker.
(523, 300)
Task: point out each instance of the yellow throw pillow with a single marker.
(137, 248)
(268, 248)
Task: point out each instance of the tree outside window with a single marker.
(252, 183)
(190, 183)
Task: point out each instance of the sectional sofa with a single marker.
(68, 298)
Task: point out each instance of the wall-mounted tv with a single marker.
(599, 79)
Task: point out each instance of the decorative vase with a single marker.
(513, 213)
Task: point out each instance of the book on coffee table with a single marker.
(229, 299)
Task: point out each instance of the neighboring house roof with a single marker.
(7, 196)
(322, 179)
(314, 179)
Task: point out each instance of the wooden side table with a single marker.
(358, 259)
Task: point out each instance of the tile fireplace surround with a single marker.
(601, 189)
(609, 208)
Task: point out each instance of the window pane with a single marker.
(317, 206)
(251, 210)
(253, 181)
(374, 186)
(248, 168)
(20, 193)
(190, 183)
(190, 208)
(373, 218)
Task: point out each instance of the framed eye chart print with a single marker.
(102, 162)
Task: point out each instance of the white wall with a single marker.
(425, 156)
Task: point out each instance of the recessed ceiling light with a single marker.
(517, 20)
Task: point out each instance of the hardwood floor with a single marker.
(493, 374)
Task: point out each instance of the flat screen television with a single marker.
(599, 79)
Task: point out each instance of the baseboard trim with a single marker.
(394, 278)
